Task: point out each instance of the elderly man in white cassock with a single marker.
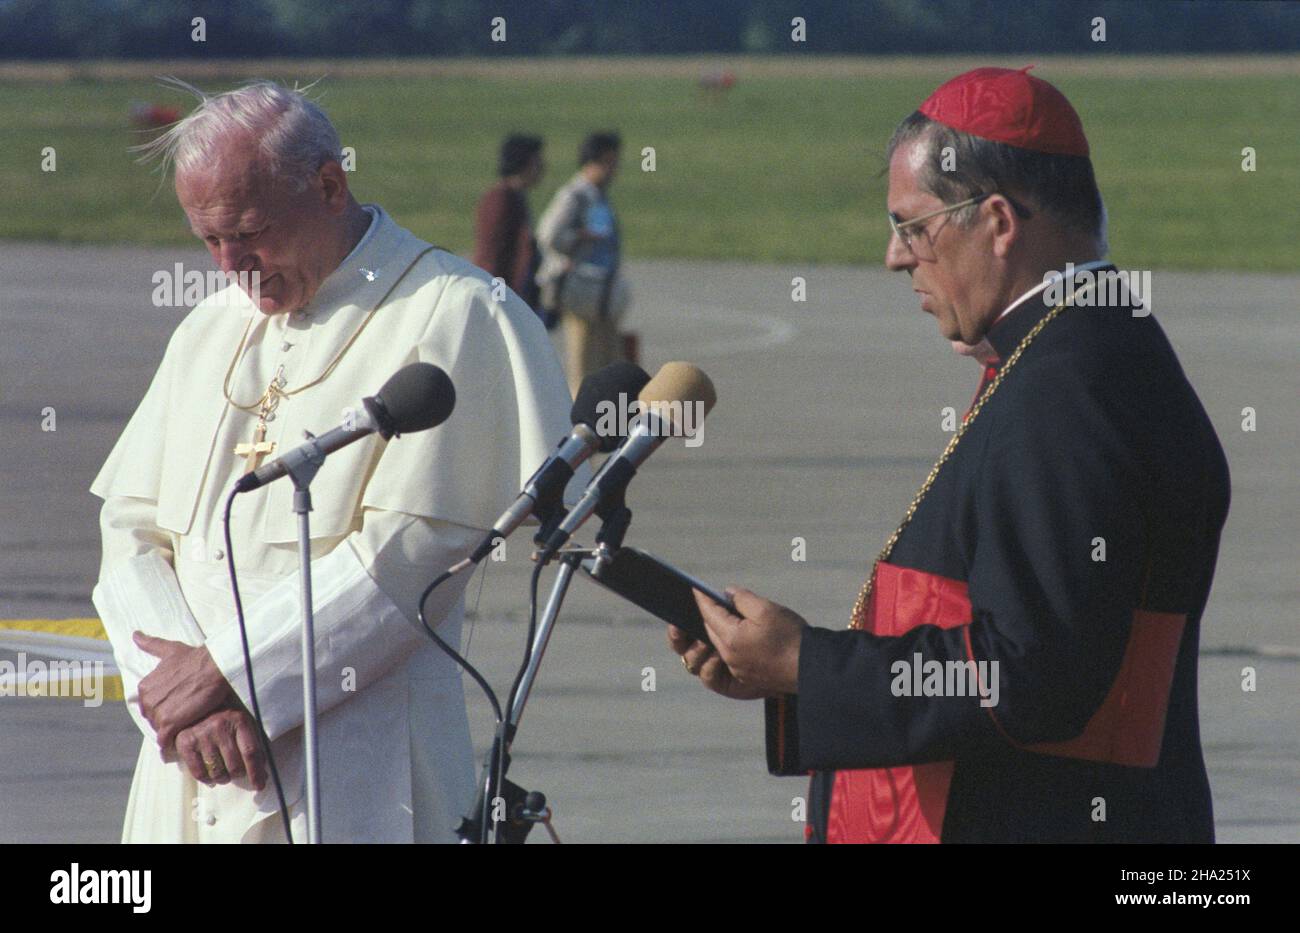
(336, 298)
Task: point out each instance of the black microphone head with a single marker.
(416, 397)
(603, 389)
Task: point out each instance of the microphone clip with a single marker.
(302, 469)
(617, 519)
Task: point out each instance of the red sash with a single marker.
(907, 804)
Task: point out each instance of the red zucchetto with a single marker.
(1011, 107)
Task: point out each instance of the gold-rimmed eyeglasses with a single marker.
(905, 230)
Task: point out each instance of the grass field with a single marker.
(783, 167)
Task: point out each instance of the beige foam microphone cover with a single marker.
(678, 382)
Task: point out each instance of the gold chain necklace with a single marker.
(857, 618)
(270, 400)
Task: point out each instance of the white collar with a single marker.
(983, 351)
(373, 211)
(1048, 280)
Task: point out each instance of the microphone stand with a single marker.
(479, 825)
(302, 473)
(617, 517)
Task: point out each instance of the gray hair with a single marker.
(1063, 186)
(295, 136)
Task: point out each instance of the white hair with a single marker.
(295, 137)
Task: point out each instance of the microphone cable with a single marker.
(248, 669)
(464, 664)
(507, 736)
(497, 712)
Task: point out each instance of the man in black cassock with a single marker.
(1021, 665)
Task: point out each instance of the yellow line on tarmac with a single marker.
(78, 628)
(75, 628)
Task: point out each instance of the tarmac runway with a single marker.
(830, 414)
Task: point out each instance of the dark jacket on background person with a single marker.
(503, 240)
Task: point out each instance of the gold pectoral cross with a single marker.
(256, 449)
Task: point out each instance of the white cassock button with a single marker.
(219, 554)
(286, 346)
(212, 820)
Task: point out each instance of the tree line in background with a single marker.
(68, 29)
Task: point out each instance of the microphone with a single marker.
(542, 494)
(416, 397)
(676, 389)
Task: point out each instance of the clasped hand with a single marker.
(196, 715)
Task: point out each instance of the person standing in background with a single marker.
(504, 245)
(580, 277)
